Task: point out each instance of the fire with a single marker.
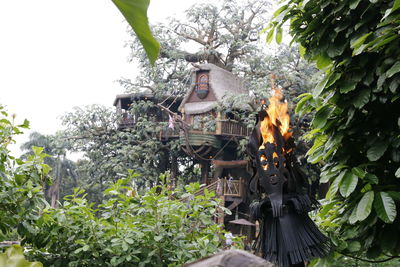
(278, 116)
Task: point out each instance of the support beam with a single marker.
(229, 164)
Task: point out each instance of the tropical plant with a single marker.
(153, 229)
(356, 122)
(63, 170)
(135, 13)
(21, 196)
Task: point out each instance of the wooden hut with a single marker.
(129, 119)
(213, 132)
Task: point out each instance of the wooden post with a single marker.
(218, 129)
(205, 168)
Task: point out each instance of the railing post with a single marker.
(218, 129)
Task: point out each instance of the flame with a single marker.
(278, 116)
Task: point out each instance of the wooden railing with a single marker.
(126, 123)
(230, 127)
(164, 133)
(233, 188)
(211, 188)
(224, 187)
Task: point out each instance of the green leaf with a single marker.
(377, 150)
(335, 185)
(320, 86)
(333, 78)
(348, 184)
(125, 246)
(347, 87)
(158, 238)
(371, 178)
(135, 12)
(302, 51)
(357, 43)
(364, 207)
(383, 42)
(395, 195)
(393, 70)
(396, 5)
(270, 36)
(354, 4)
(385, 207)
(353, 216)
(302, 102)
(129, 240)
(323, 61)
(321, 117)
(279, 11)
(362, 98)
(279, 34)
(397, 174)
(354, 246)
(359, 172)
(37, 150)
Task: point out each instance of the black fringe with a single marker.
(292, 238)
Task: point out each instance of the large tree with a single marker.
(356, 124)
(225, 34)
(109, 151)
(215, 33)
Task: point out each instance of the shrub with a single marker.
(154, 229)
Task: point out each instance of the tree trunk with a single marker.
(174, 170)
(54, 190)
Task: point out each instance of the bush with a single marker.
(21, 195)
(154, 229)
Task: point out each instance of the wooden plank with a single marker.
(229, 163)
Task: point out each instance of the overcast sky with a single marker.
(55, 55)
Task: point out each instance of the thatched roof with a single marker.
(222, 83)
(130, 96)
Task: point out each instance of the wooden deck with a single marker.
(224, 127)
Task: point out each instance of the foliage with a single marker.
(63, 170)
(135, 12)
(109, 151)
(222, 34)
(349, 261)
(356, 122)
(21, 196)
(154, 229)
(14, 257)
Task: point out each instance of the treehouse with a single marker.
(128, 119)
(209, 133)
(212, 132)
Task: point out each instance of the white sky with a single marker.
(55, 55)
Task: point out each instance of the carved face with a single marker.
(273, 173)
